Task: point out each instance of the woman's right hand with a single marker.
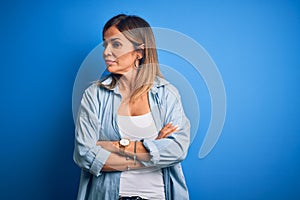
(167, 130)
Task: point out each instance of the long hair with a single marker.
(138, 32)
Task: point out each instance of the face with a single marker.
(119, 53)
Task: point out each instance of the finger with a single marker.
(166, 133)
(168, 125)
(175, 128)
(171, 130)
(167, 130)
(161, 135)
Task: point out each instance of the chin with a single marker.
(109, 69)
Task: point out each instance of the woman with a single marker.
(131, 131)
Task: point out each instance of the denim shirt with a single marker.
(97, 120)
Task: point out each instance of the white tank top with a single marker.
(146, 183)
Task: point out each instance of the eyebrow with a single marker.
(113, 39)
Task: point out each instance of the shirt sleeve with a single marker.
(87, 154)
(173, 149)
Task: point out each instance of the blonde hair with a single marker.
(139, 33)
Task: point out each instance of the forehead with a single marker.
(113, 32)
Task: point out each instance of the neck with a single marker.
(127, 81)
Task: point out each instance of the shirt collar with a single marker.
(158, 82)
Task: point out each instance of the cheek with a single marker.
(122, 54)
(128, 58)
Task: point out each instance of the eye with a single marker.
(104, 44)
(116, 44)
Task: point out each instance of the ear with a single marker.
(139, 55)
(141, 46)
(140, 51)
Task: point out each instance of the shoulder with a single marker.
(166, 89)
(94, 88)
(95, 94)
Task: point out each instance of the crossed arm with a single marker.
(123, 161)
(96, 156)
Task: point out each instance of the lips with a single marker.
(109, 62)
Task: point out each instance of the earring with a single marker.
(136, 63)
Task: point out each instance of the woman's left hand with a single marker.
(167, 130)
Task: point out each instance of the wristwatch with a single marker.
(124, 142)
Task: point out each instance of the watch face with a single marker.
(124, 142)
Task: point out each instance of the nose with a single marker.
(107, 51)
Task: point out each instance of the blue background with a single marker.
(255, 45)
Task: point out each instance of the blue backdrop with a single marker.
(255, 45)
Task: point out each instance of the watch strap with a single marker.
(134, 153)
